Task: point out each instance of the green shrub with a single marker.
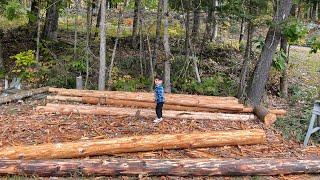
(217, 85)
(295, 124)
(25, 65)
(127, 83)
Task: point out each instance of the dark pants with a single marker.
(159, 109)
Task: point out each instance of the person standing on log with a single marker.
(159, 98)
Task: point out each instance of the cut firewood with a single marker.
(134, 144)
(265, 115)
(129, 103)
(147, 113)
(158, 167)
(23, 94)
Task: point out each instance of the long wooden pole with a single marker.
(129, 103)
(147, 113)
(23, 94)
(158, 167)
(134, 144)
(94, 93)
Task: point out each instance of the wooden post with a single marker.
(79, 83)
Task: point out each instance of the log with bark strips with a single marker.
(147, 113)
(23, 94)
(159, 167)
(128, 103)
(134, 144)
(142, 96)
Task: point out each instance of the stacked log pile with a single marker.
(188, 104)
(56, 159)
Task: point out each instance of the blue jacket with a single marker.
(159, 94)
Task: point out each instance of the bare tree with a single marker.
(76, 2)
(136, 20)
(88, 35)
(214, 27)
(246, 62)
(120, 19)
(102, 69)
(167, 63)
(196, 18)
(261, 72)
(284, 77)
(51, 21)
(38, 35)
(158, 29)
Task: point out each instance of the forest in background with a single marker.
(237, 48)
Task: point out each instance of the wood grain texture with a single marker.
(134, 144)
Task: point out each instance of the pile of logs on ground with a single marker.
(64, 159)
(179, 106)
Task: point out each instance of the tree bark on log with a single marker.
(159, 167)
(142, 96)
(134, 144)
(138, 104)
(265, 115)
(147, 113)
(23, 94)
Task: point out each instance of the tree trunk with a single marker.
(284, 77)
(136, 20)
(115, 46)
(208, 30)
(38, 37)
(23, 94)
(158, 167)
(230, 108)
(51, 22)
(134, 144)
(241, 31)
(146, 113)
(315, 11)
(214, 34)
(245, 66)
(88, 37)
(158, 30)
(196, 19)
(98, 22)
(1, 54)
(75, 58)
(102, 69)
(261, 72)
(34, 13)
(167, 63)
(150, 63)
(187, 26)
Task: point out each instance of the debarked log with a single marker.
(134, 144)
(147, 113)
